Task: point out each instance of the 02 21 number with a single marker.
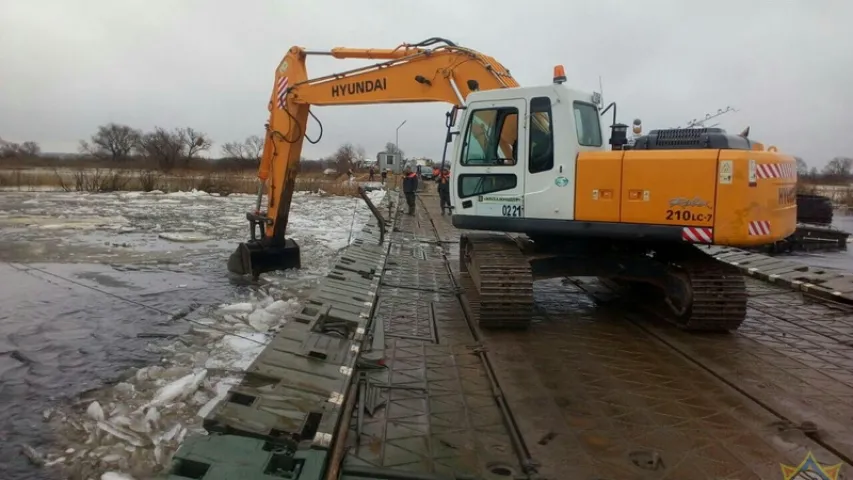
(511, 210)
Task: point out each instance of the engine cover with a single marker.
(691, 138)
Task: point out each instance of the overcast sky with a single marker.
(70, 65)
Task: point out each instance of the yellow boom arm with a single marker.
(411, 73)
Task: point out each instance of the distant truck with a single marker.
(425, 172)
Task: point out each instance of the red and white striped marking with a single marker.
(697, 234)
(281, 90)
(776, 170)
(759, 228)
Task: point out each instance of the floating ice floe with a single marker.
(116, 476)
(132, 428)
(184, 237)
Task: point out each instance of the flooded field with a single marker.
(98, 294)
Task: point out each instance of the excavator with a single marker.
(538, 192)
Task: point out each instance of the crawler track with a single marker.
(719, 296)
(503, 278)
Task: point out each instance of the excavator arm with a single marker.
(408, 74)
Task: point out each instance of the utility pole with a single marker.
(397, 146)
(397, 136)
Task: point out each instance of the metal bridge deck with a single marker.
(594, 391)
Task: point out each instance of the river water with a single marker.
(91, 284)
(842, 260)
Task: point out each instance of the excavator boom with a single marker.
(434, 70)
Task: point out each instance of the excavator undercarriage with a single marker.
(695, 291)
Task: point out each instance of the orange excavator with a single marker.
(531, 162)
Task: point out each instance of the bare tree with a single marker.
(112, 141)
(802, 167)
(246, 153)
(165, 148)
(838, 167)
(392, 147)
(30, 149)
(9, 150)
(344, 157)
(27, 149)
(194, 142)
(234, 150)
(255, 144)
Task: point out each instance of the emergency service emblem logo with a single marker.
(561, 181)
(810, 469)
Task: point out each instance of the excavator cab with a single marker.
(506, 172)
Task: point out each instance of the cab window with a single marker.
(541, 153)
(471, 185)
(491, 137)
(587, 124)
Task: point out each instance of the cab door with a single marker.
(549, 177)
(488, 177)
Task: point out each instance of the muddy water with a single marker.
(59, 339)
(89, 285)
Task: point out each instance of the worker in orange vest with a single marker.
(444, 190)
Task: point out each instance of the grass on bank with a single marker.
(103, 180)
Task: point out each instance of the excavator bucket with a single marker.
(256, 258)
